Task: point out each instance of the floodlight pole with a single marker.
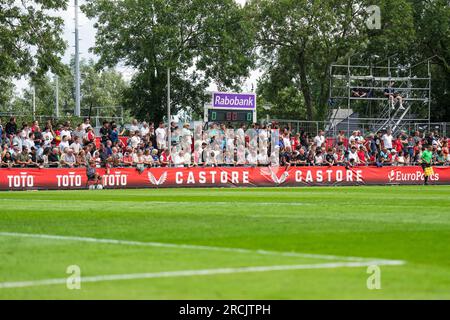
(77, 64)
(169, 133)
(34, 101)
(57, 96)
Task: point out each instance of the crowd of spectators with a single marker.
(375, 149)
(144, 145)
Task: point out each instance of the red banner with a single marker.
(55, 179)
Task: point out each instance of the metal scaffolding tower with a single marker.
(356, 89)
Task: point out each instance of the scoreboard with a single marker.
(230, 115)
(231, 107)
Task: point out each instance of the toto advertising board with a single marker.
(122, 178)
(236, 101)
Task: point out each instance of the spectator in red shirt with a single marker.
(35, 126)
(295, 142)
(165, 158)
(127, 159)
(398, 145)
(362, 156)
(90, 136)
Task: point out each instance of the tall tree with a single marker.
(30, 37)
(432, 25)
(200, 40)
(301, 38)
(102, 89)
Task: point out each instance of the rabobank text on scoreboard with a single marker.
(237, 101)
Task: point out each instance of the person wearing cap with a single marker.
(394, 156)
(53, 158)
(23, 158)
(353, 158)
(15, 150)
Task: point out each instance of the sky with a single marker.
(87, 40)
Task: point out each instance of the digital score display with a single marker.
(230, 115)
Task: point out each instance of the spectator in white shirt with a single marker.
(161, 136)
(25, 131)
(79, 132)
(47, 136)
(134, 126)
(387, 139)
(64, 143)
(319, 140)
(66, 132)
(29, 141)
(68, 159)
(353, 156)
(353, 137)
(178, 159)
(135, 140)
(145, 129)
(86, 124)
(76, 145)
(17, 141)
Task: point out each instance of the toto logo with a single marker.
(69, 180)
(115, 180)
(162, 179)
(24, 180)
(399, 176)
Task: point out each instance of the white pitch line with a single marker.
(191, 247)
(190, 273)
(231, 203)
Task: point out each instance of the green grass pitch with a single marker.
(267, 243)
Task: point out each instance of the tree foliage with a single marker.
(30, 38)
(299, 39)
(200, 40)
(101, 89)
